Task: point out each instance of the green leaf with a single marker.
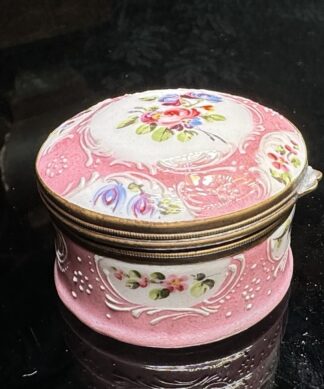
(132, 284)
(148, 98)
(134, 187)
(201, 287)
(134, 274)
(210, 283)
(280, 149)
(152, 108)
(162, 134)
(157, 276)
(158, 294)
(213, 117)
(200, 276)
(286, 178)
(198, 289)
(127, 122)
(152, 126)
(185, 136)
(283, 178)
(295, 161)
(143, 129)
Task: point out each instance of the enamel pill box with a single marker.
(173, 211)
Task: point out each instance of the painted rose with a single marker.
(176, 283)
(141, 205)
(119, 274)
(170, 117)
(279, 162)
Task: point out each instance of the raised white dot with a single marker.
(228, 314)
(97, 279)
(244, 293)
(51, 174)
(252, 296)
(246, 286)
(75, 273)
(74, 294)
(227, 297)
(60, 171)
(254, 279)
(249, 306)
(80, 273)
(79, 259)
(247, 298)
(251, 290)
(82, 282)
(222, 301)
(108, 316)
(86, 278)
(81, 288)
(268, 277)
(75, 279)
(269, 292)
(88, 291)
(102, 287)
(92, 270)
(258, 281)
(90, 263)
(90, 286)
(258, 288)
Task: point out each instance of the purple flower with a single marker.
(205, 96)
(170, 99)
(141, 205)
(113, 194)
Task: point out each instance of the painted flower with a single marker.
(143, 282)
(141, 205)
(279, 162)
(176, 283)
(170, 117)
(204, 96)
(170, 99)
(113, 194)
(291, 149)
(119, 274)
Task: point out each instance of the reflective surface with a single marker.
(267, 52)
(248, 360)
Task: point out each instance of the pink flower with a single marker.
(143, 282)
(173, 283)
(279, 163)
(170, 117)
(119, 274)
(141, 205)
(290, 149)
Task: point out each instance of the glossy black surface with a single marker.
(268, 51)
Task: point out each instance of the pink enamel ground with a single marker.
(256, 292)
(189, 158)
(172, 156)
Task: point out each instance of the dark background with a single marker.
(58, 57)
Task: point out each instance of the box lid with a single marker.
(180, 158)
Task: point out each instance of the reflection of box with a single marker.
(173, 211)
(32, 20)
(248, 359)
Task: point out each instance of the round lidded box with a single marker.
(173, 211)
